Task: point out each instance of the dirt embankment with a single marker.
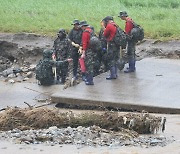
(21, 49)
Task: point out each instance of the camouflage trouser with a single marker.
(97, 62)
(89, 61)
(62, 70)
(131, 49)
(112, 54)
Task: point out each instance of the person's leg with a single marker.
(89, 62)
(131, 56)
(111, 61)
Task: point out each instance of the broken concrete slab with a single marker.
(154, 87)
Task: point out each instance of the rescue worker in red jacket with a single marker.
(87, 52)
(110, 28)
(130, 41)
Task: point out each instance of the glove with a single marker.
(83, 54)
(75, 45)
(54, 57)
(80, 51)
(104, 50)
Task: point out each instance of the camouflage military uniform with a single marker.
(44, 71)
(103, 53)
(61, 51)
(112, 54)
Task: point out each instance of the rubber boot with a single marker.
(57, 80)
(132, 67)
(63, 79)
(89, 79)
(116, 71)
(83, 76)
(112, 74)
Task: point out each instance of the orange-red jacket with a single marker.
(110, 31)
(86, 38)
(129, 25)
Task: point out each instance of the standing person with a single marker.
(103, 53)
(87, 52)
(61, 52)
(110, 28)
(130, 41)
(75, 36)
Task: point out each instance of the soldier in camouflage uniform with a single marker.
(131, 42)
(61, 52)
(87, 52)
(44, 71)
(112, 49)
(75, 37)
(103, 53)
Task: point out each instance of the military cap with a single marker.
(108, 18)
(83, 23)
(123, 14)
(76, 21)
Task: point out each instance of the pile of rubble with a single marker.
(84, 136)
(18, 74)
(51, 126)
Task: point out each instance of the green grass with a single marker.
(160, 18)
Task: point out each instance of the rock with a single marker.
(25, 79)
(29, 74)
(24, 69)
(53, 128)
(19, 78)
(8, 71)
(11, 75)
(11, 81)
(32, 67)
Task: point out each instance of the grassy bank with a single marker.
(160, 18)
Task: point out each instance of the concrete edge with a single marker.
(122, 105)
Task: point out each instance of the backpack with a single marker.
(40, 71)
(94, 42)
(137, 32)
(120, 38)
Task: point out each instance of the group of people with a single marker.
(82, 45)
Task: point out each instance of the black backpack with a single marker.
(137, 33)
(120, 38)
(94, 42)
(40, 71)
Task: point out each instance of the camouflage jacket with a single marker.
(61, 48)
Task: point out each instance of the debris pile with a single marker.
(43, 118)
(52, 127)
(83, 136)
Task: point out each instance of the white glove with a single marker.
(80, 51)
(75, 45)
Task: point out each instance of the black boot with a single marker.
(89, 79)
(132, 67)
(112, 74)
(83, 76)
